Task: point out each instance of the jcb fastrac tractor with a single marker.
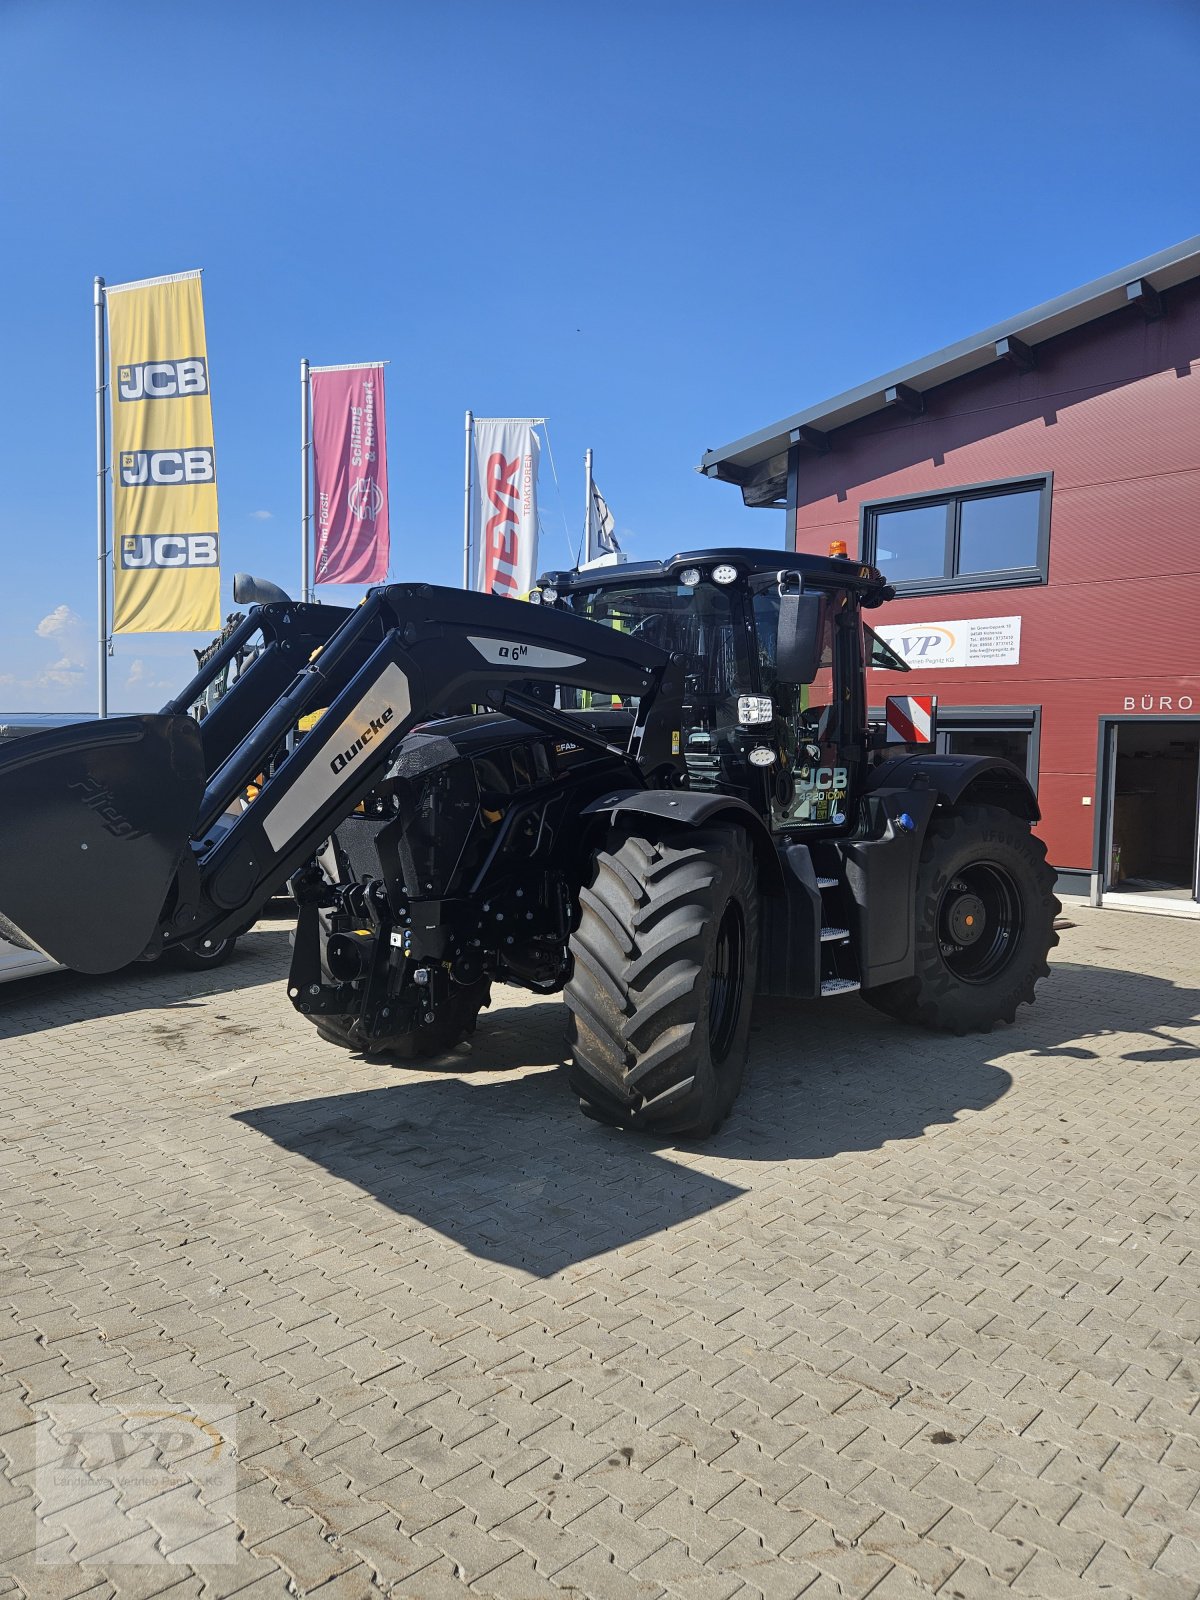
(657, 790)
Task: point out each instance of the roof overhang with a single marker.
(758, 464)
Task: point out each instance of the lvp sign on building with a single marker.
(969, 642)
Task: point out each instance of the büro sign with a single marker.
(1160, 702)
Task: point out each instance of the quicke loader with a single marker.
(657, 790)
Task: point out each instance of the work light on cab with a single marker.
(754, 709)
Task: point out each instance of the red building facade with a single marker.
(1034, 493)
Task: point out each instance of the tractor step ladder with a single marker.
(834, 938)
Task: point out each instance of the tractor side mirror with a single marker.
(801, 634)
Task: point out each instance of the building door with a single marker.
(1152, 789)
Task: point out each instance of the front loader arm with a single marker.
(438, 650)
(407, 654)
(282, 636)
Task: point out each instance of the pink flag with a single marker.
(350, 475)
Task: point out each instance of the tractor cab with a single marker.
(774, 712)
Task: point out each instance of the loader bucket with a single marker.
(94, 818)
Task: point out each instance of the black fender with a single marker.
(957, 780)
(687, 808)
(882, 859)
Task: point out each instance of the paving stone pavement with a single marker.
(921, 1319)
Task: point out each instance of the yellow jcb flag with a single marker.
(166, 554)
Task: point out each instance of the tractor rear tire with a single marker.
(984, 924)
(454, 1022)
(665, 959)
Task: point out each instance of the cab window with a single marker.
(809, 785)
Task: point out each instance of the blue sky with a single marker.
(660, 224)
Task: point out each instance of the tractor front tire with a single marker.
(201, 954)
(455, 1021)
(665, 959)
(984, 924)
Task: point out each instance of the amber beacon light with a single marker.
(837, 547)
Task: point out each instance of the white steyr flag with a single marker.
(505, 517)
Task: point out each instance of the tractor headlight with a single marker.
(535, 597)
(754, 709)
(690, 577)
(549, 596)
(762, 757)
(724, 573)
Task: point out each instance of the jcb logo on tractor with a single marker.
(824, 778)
(165, 468)
(163, 380)
(169, 550)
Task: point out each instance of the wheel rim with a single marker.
(980, 921)
(726, 982)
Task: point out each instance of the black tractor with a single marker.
(657, 789)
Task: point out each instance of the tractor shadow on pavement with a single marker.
(508, 1169)
(504, 1167)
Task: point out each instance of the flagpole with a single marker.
(469, 425)
(306, 593)
(587, 508)
(101, 502)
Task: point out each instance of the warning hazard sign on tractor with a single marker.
(911, 718)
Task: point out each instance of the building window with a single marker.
(987, 536)
(1011, 732)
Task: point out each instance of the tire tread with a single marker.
(645, 922)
